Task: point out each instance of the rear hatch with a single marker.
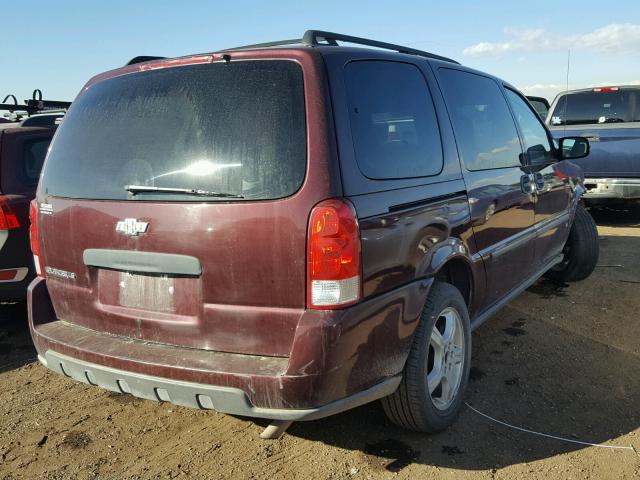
(171, 206)
(610, 118)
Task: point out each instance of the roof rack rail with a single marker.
(319, 37)
(33, 105)
(143, 58)
(316, 38)
(277, 43)
(15, 100)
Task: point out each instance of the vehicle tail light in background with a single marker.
(33, 235)
(334, 277)
(6, 275)
(606, 89)
(8, 219)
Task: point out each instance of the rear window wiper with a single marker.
(134, 189)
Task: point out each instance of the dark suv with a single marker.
(22, 151)
(291, 230)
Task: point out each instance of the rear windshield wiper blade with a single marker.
(133, 189)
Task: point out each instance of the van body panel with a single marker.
(251, 292)
(334, 354)
(405, 223)
(223, 303)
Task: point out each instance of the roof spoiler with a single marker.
(143, 58)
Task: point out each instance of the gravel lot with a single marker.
(561, 359)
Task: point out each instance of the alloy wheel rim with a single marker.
(445, 358)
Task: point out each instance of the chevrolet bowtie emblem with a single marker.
(131, 226)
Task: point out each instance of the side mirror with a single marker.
(538, 155)
(574, 147)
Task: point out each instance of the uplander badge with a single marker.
(131, 226)
(56, 272)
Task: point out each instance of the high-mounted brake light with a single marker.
(334, 278)
(33, 236)
(606, 89)
(8, 219)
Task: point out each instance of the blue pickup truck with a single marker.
(610, 118)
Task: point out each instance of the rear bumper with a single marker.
(197, 395)
(612, 188)
(339, 360)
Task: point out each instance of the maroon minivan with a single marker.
(291, 230)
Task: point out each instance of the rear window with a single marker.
(540, 107)
(597, 107)
(236, 129)
(32, 160)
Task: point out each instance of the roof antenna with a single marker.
(566, 94)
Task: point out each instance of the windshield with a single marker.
(237, 128)
(597, 107)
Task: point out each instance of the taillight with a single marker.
(33, 236)
(333, 256)
(606, 89)
(8, 219)
(8, 274)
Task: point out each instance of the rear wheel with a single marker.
(435, 376)
(580, 252)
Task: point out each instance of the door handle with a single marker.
(527, 184)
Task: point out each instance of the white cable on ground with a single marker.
(598, 445)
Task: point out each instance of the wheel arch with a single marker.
(458, 273)
(452, 264)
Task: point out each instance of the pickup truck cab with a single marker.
(610, 118)
(293, 229)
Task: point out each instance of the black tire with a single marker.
(581, 251)
(411, 406)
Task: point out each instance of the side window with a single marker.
(34, 152)
(541, 108)
(393, 121)
(536, 142)
(485, 133)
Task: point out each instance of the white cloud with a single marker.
(614, 38)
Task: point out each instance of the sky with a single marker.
(57, 46)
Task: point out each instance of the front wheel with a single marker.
(581, 251)
(435, 376)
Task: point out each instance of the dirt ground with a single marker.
(561, 359)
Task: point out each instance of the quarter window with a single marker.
(393, 121)
(485, 133)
